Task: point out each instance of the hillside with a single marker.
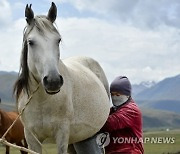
(8, 106)
(153, 118)
(164, 95)
(160, 102)
(167, 89)
(167, 105)
(7, 80)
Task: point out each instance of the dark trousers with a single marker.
(88, 146)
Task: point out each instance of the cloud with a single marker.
(121, 48)
(154, 14)
(140, 13)
(10, 47)
(5, 13)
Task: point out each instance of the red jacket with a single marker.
(125, 130)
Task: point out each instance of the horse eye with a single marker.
(59, 40)
(31, 42)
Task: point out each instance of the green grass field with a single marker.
(156, 143)
(173, 147)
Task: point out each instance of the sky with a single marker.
(136, 38)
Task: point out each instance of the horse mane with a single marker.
(23, 77)
(42, 24)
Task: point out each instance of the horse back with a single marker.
(94, 67)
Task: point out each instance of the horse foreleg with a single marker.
(62, 138)
(32, 142)
(7, 149)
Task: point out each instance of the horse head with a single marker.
(40, 53)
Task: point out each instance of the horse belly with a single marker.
(91, 107)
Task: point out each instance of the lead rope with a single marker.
(3, 140)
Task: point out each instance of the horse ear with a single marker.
(52, 14)
(29, 14)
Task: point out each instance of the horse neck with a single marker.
(63, 68)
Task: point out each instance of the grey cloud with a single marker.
(141, 13)
(152, 14)
(155, 13)
(141, 54)
(5, 13)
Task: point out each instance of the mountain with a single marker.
(8, 107)
(4, 72)
(146, 94)
(7, 80)
(137, 88)
(167, 105)
(152, 118)
(167, 89)
(164, 95)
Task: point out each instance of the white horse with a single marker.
(72, 102)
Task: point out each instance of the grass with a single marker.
(47, 149)
(151, 147)
(163, 147)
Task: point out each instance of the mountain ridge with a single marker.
(167, 89)
(7, 80)
(156, 113)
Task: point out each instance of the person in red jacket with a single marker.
(124, 124)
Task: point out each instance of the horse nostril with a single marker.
(53, 83)
(61, 80)
(45, 80)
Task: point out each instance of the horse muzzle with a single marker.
(53, 83)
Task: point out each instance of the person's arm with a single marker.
(120, 119)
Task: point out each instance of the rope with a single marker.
(17, 147)
(3, 140)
